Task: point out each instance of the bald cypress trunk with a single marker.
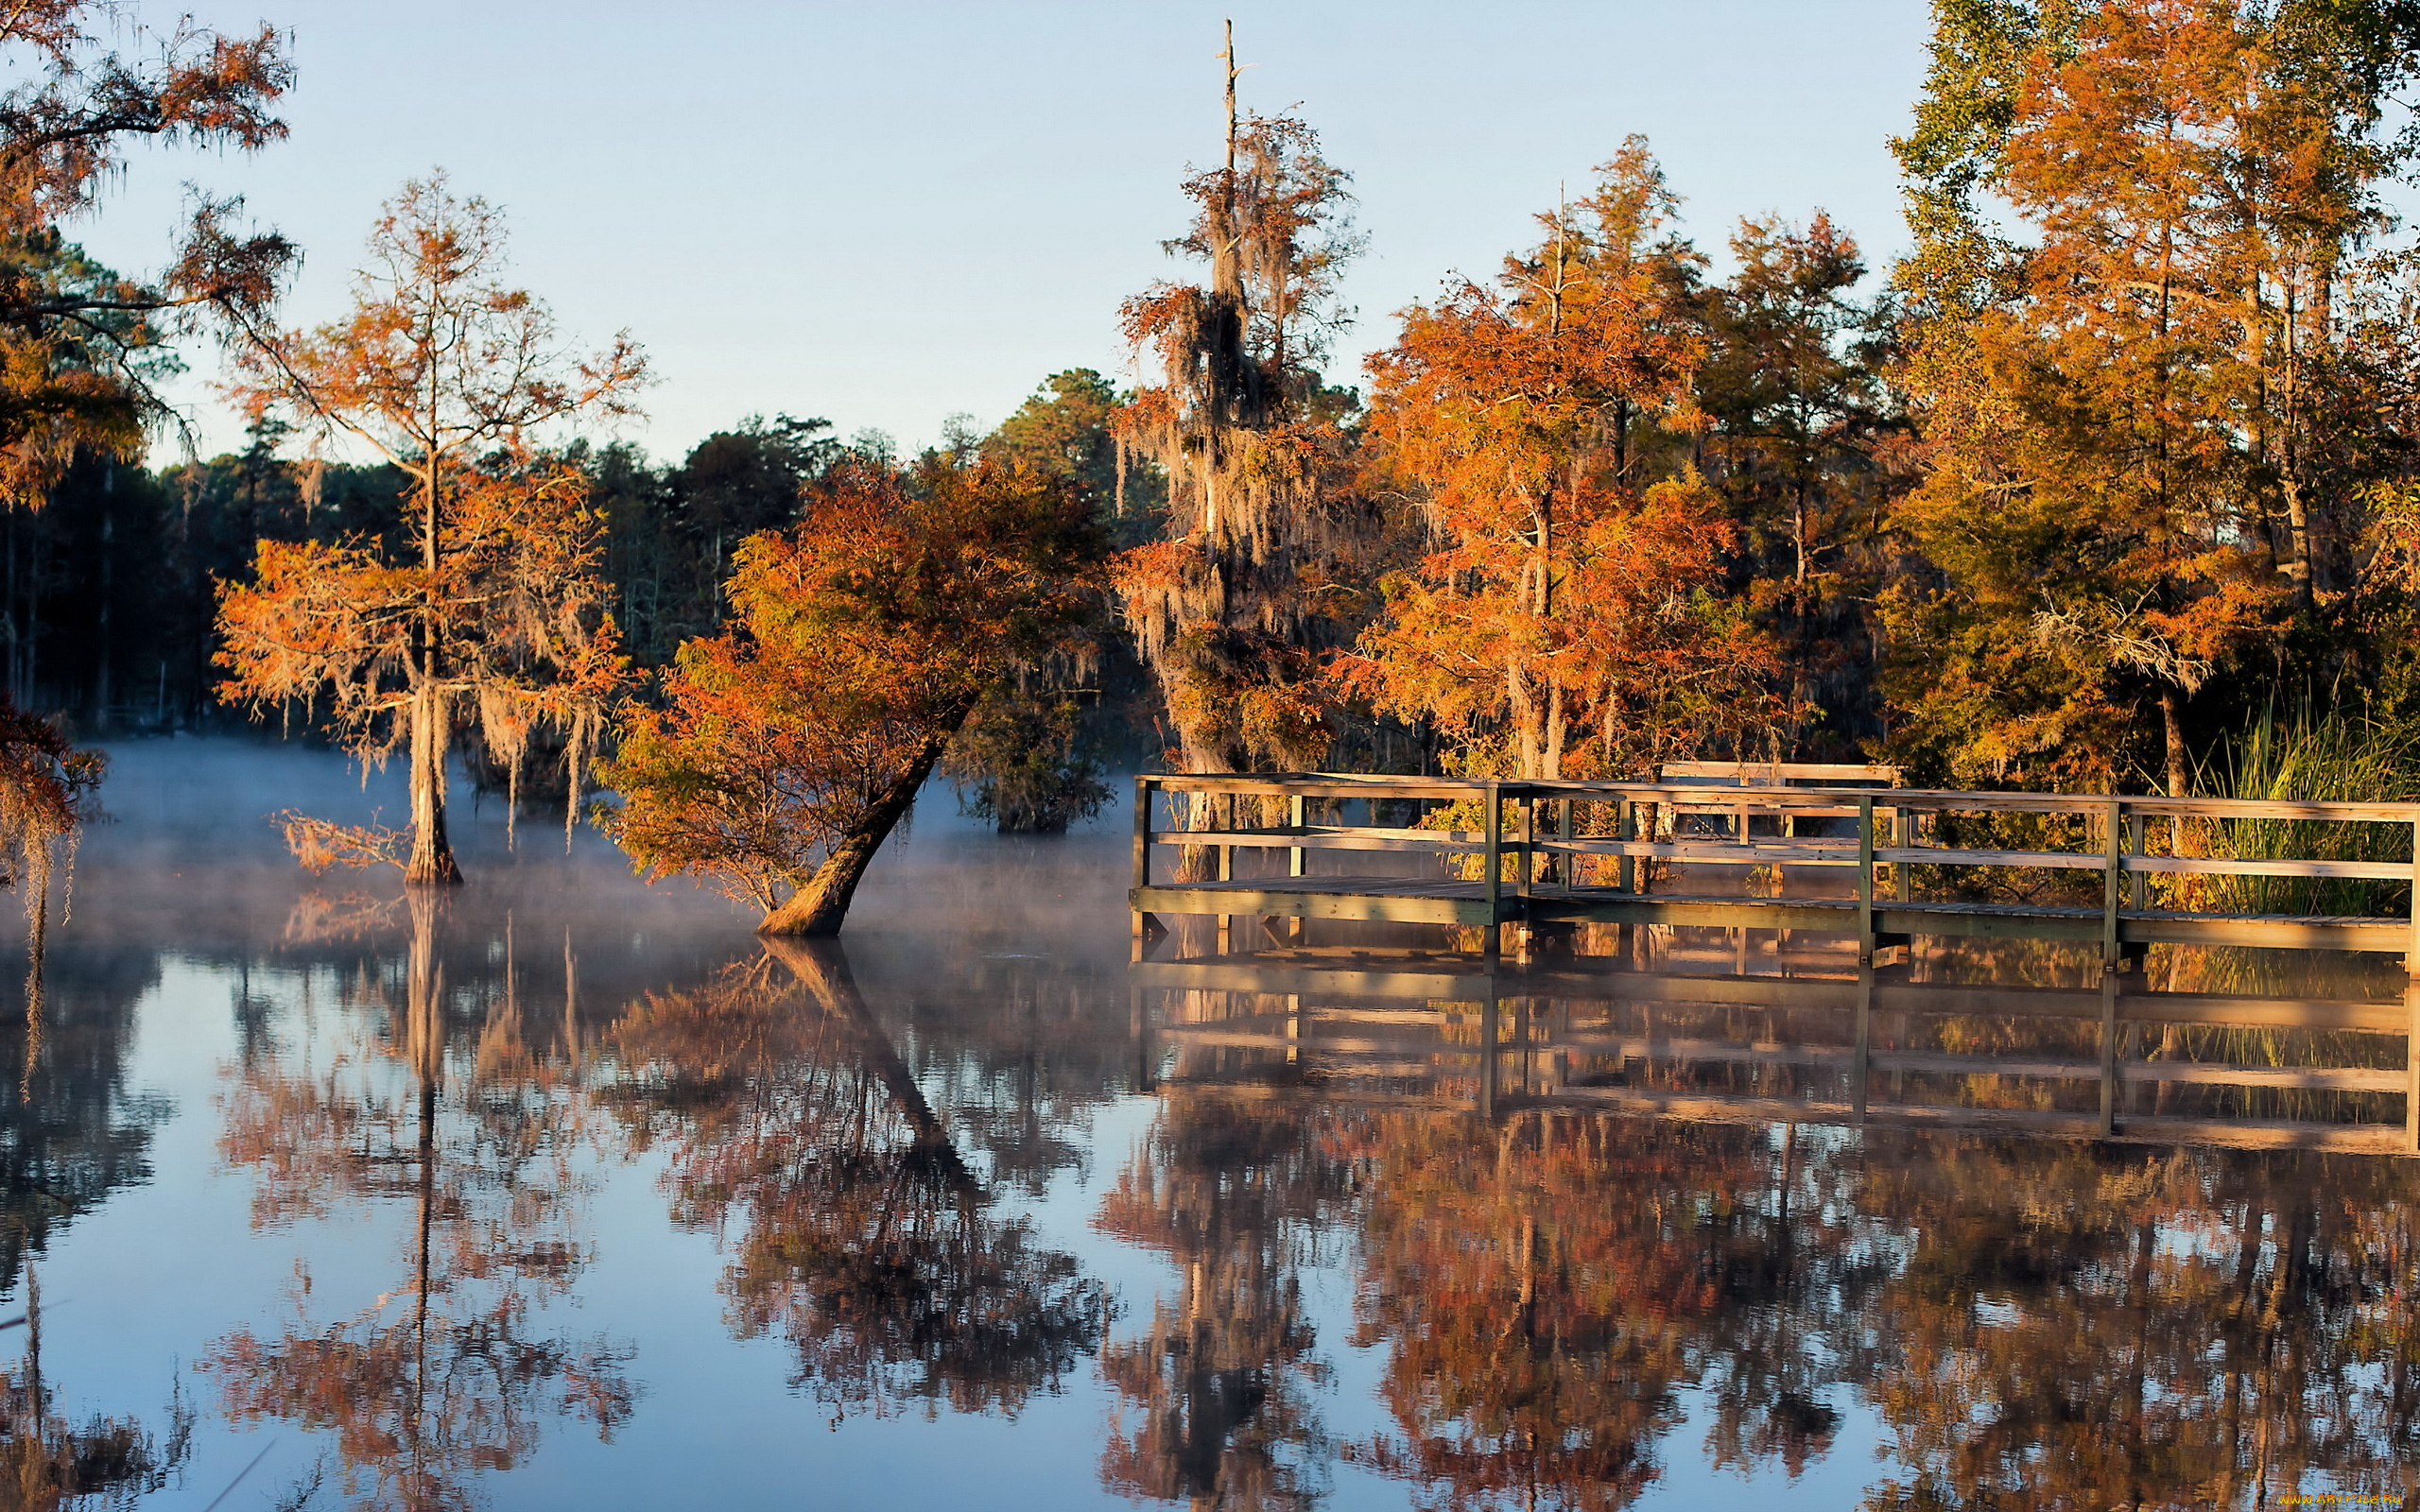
(819, 905)
(432, 859)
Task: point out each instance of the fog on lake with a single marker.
(558, 1191)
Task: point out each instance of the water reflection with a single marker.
(1557, 1291)
(1220, 1393)
(862, 1238)
(560, 1193)
(72, 1131)
(448, 1373)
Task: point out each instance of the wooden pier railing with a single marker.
(1543, 854)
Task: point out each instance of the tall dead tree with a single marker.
(1226, 604)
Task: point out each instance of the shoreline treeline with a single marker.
(2117, 459)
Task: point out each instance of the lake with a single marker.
(565, 1192)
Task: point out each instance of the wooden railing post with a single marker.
(2140, 892)
(1294, 820)
(1491, 884)
(1903, 835)
(1227, 873)
(2111, 877)
(1866, 881)
(2412, 1012)
(1627, 829)
(1529, 844)
(1142, 845)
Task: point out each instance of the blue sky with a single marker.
(886, 213)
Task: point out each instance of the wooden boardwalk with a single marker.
(1865, 867)
(1530, 864)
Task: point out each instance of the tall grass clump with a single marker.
(2328, 757)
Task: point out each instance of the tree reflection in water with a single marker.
(1223, 1387)
(1547, 1287)
(70, 1134)
(862, 1237)
(2082, 1327)
(447, 1375)
(2036, 1323)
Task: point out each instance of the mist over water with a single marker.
(563, 1191)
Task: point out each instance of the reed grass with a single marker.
(2328, 757)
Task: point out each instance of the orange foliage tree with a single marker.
(2136, 430)
(793, 743)
(79, 345)
(493, 610)
(1229, 606)
(1568, 617)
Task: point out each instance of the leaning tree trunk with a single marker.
(432, 859)
(819, 907)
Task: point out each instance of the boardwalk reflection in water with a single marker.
(2052, 1322)
(565, 1190)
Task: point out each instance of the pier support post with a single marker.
(2110, 980)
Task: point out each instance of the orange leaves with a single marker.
(862, 638)
(2135, 450)
(1251, 449)
(513, 613)
(493, 611)
(438, 361)
(1559, 604)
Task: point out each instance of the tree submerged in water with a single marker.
(1230, 607)
(860, 641)
(492, 609)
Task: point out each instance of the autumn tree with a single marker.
(861, 640)
(80, 346)
(1032, 757)
(1234, 602)
(2131, 415)
(1566, 617)
(491, 613)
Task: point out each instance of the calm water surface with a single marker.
(565, 1192)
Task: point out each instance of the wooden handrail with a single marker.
(1446, 789)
